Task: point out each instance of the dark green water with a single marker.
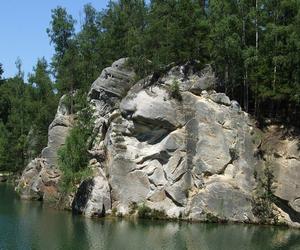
(29, 225)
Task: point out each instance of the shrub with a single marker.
(145, 212)
(262, 206)
(174, 91)
(73, 157)
(262, 209)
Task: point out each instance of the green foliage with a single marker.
(264, 197)
(263, 209)
(73, 155)
(174, 91)
(1, 71)
(3, 146)
(61, 30)
(44, 105)
(212, 218)
(26, 110)
(145, 212)
(253, 47)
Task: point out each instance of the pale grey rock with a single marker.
(189, 79)
(220, 98)
(40, 178)
(283, 162)
(161, 151)
(57, 133)
(38, 181)
(93, 197)
(153, 107)
(197, 158)
(158, 177)
(115, 80)
(178, 191)
(286, 181)
(235, 106)
(206, 80)
(56, 138)
(222, 201)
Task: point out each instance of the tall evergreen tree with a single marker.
(90, 47)
(43, 102)
(1, 71)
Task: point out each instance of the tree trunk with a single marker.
(245, 94)
(256, 52)
(275, 65)
(226, 78)
(246, 91)
(202, 5)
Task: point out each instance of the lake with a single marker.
(30, 225)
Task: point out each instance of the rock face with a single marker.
(193, 157)
(40, 178)
(283, 154)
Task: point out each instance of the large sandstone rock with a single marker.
(93, 197)
(283, 154)
(178, 156)
(40, 178)
(197, 156)
(116, 80)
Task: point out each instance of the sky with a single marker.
(23, 25)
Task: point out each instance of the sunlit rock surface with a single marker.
(190, 152)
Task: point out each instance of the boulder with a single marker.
(115, 80)
(40, 178)
(93, 197)
(220, 98)
(220, 201)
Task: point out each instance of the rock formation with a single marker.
(40, 178)
(173, 145)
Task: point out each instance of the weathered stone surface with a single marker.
(38, 181)
(40, 178)
(56, 139)
(235, 106)
(93, 197)
(220, 98)
(191, 80)
(221, 201)
(153, 107)
(116, 80)
(283, 154)
(159, 148)
(197, 157)
(58, 131)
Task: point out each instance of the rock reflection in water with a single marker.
(29, 225)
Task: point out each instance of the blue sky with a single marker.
(23, 25)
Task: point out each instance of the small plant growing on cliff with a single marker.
(264, 197)
(73, 156)
(174, 90)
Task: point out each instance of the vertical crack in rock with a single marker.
(284, 205)
(82, 196)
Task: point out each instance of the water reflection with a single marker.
(27, 225)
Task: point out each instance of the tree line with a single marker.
(253, 46)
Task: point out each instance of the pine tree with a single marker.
(90, 47)
(1, 71)
(43, 101)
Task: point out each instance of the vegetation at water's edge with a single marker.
(253, 47)
(263, 197)
(73, 155)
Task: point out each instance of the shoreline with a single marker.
(135, 217)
